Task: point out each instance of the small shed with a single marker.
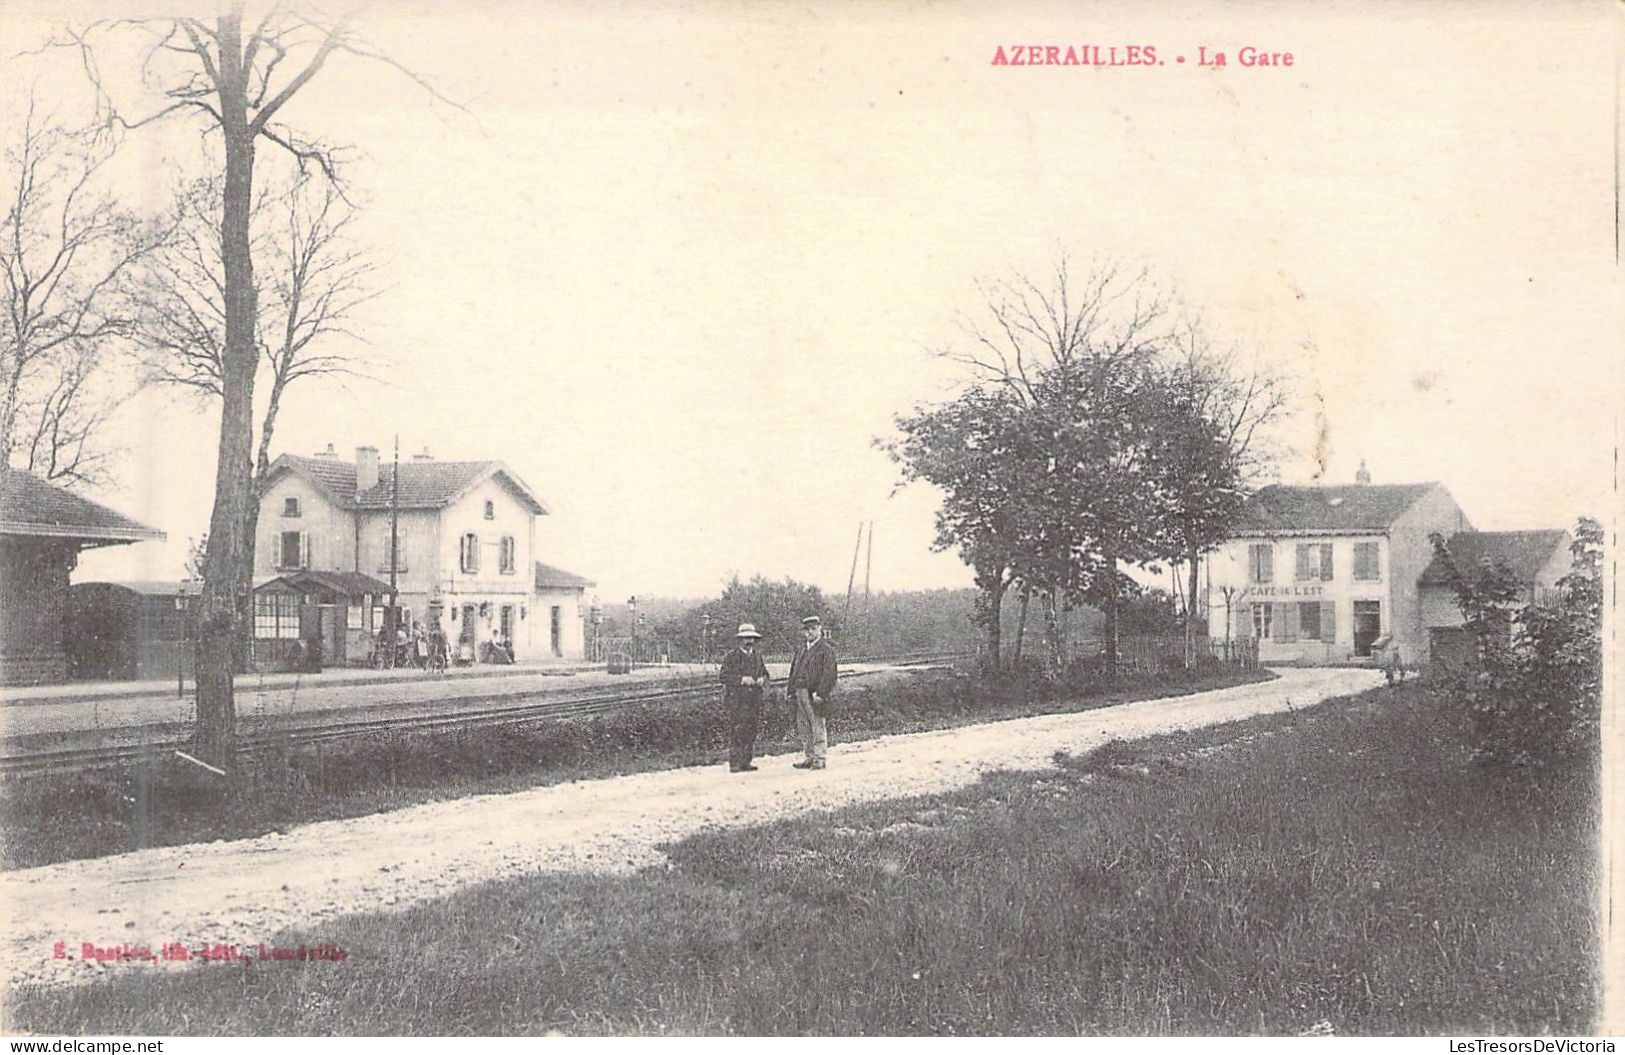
(343, 610)
(43, 529)
(129, 630)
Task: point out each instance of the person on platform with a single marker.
(744, 677)
(812, 683)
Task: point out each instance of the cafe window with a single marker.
(1263, 620)
(470, 556)
(1314, 562)
(290, 507)
(1261, 563)
(1309, 620)
(276, 615)
(507, 554)
(1366, 566)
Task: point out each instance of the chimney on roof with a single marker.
(366, 469)
(423, 456)
(1362, 475)
(329, 453)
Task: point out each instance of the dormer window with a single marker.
(490, 510)
(290, 507)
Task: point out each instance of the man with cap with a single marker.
(812, 682)
(744, 676)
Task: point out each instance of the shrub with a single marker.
(1535, 694)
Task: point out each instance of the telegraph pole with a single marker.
(868, 564)
(853, 577)
(392, 623)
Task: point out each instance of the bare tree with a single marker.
(1026, 332)
(312, 277)
(67, 256)
(236, 75)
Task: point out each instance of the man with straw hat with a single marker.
(744, 676)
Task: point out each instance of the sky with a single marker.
(679, 265)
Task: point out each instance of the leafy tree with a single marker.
(1207, 453)
(977, 449)
(775, 607)
(1091, 440)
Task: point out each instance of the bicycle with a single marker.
(387, 657)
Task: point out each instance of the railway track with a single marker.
(327, 727)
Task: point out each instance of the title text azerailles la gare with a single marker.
(1133, 55)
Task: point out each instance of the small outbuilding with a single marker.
(339, 612)
(43, 528)
(130, 630)
(1534, 560)
(560, 599)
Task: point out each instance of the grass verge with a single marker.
(45, 819)
(1343, 868)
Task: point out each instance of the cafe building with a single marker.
(1323, 575)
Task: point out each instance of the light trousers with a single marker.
(814, 733)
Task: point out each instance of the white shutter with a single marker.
(304, 549)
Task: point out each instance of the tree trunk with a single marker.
(1111, 599)
(1052, 629)
(1021, 624)
(215, 735)
(1194, 630)
(995, 605)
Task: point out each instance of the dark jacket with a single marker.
(737, 664)
(814, 668)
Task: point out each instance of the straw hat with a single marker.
(747, 630)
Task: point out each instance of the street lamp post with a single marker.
(632, 617)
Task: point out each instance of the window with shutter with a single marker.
(471, 553)
(507, 555)
(1286, 623)
(1263, 618)
(1309, 620)
(1304, 569)
(1326, 562)
(1261, 563)
(1366, 568)
(289, 550)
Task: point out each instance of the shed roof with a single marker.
(1341, 508)
(1522, 553)
(549, 577)
(345, 583)
(154, 587)
(33, 507)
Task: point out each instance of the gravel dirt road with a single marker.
(242, 892)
